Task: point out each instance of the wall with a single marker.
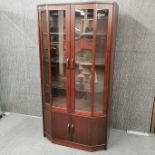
(134, 75)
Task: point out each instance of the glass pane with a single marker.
(58, 57)
(83, 58)
(45, 56)
(102, 22)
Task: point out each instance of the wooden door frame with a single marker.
(66, 8)
(73, 8)
(70, 43)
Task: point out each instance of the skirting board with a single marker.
(139, 133)
(8, 113)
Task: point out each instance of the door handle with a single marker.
(72, 63)
(69, 127)
(72, 128)
(67, 63)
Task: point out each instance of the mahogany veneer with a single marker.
(77, 43)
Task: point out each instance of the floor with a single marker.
(22, 135)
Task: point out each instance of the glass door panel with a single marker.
(83, 58)
(45, 56)
(57, 27)
(101, 35)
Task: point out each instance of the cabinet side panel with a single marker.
(113, 44)
(98, 131)
(41, 65)
(114, 31)
(48, 122)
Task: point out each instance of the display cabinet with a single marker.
(77, 43)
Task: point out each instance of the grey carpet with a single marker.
(22, 135)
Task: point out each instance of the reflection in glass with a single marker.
(102, 21)
(83, 58)
(58, 57)
(45, 56)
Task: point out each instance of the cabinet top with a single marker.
(78, 3)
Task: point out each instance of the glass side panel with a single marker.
(45, 56)
(58, 57)
(102, 22)
(83, 58)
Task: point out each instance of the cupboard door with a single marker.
(82, 21)
(59, 35)
(60, 126)
(81, 130)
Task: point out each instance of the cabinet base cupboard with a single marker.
(77, 43)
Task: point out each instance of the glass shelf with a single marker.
(56, 60)
(84, 63)
(44, 33)
(57, 33)
(56, 43)
(59, 84)
(54, 33)
(102, 34)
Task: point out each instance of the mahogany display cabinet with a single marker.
(77, 43)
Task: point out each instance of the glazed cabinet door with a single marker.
(90, 58)
(59, 34)
(82, 47)
(55, 55)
